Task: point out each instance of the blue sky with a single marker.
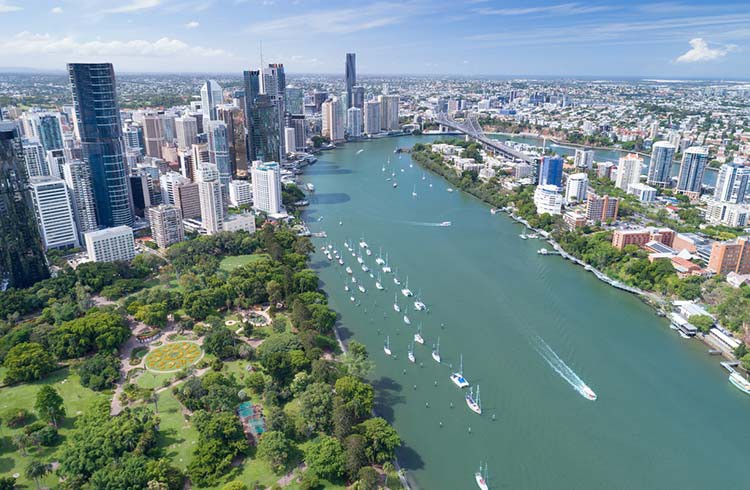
(685, 39)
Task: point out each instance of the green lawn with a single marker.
(176, 435)
(76, 399)
(150, 379)
(230, 263)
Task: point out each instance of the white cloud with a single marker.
(561, 9)
(192, 24)
(56, 10)
(133, 6)
(700, 51)
(5, 7)
(45, 44)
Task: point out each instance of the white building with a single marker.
(290, 140)
(240, 193)
(212, 206)
(333, 120)
(54, 212)
(628, 171)
(575, 187)
(110, 244)
(584, 159)
(78, 180)
(240, 222)
(186, 128)
(166, 224)
(727, 214)
(211, 96)
(372, 117)
(733, 183)
(354, 122)
(548, 199)
(267, 188)
(35, 157)
(168, 183)
(644, 192)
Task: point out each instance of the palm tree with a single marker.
(36, 470)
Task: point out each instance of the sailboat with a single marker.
(365, 268)
(436, 352)
(406, 291)
(414, 191)
(341, 261)
(346, 287)
(387, 346)
(380, 260)
(377, 283)
(362, 242)
(423, 177)
(361, 289)
(406, 317)
(418, 305)
(474, 404)
(411, 353)
(349, 270)
(458, 377)
(360, 259)
(386, 267)
(395, 184)
(418, 336)
(481, 477)
(368, 251)
(396, 307)
(395, 278)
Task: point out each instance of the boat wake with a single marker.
(426, 223)
(565, 372)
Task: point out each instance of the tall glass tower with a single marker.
(100, 130)
(22, 260)
(261, 121)
(350, 77)
(660, 167)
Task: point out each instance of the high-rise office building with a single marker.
(55, 162)
(187, 198)
(22, 260)
(153, 134)
(168, 182)
(297, 121)
(261, 121)
(372, 117)
(49, 131)
(110, 244)
(692, 167)
(211, 95)
(266, 179)
(350, 77)
(234, 119)
(77, 175)
(274, 86)
(733, 183)
(218, 150)
(100, 131)
(660, 167)
(290, 140)
(319, 97)
(35, 157)
(584, 158)
(628, 171)
(354, 122)
(295, 100)
(358, 97)
(140, 189)
(186, 129)
(575, 187)
(550, 171)
(54, 212)
(389, 112)
(333, 123)
(166, 225)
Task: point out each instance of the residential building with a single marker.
(212, 205)
(240, 193)
(389, 112)
(727, 214)
(733, 183)
(548, 199)
(629, 171)
(644, 193)
(167, 183)
(140, 190)
(166, 225)
(36, 163)
(372, 117)
(732, 256)
(187, 198)
(551, 171)
(153, 134)
(601, 209)
(576, 187)
(110, 244)
(290, 140)
(584, 159)
(99, 128)
(354, 122)
(692, 167)
(22, 261)
(574, 220)
(240, 222)
(333, 123)
(604, 170)
(77, 177)
(297, 121)
(358, 97)
(54, 212)
(266, 179)
(641, 237)
(660, 166)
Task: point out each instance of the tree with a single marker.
(275, 449)
(356, 458)
(234, 485)
(701, 322)
(28, 361)
(356, 394)
(36, 470)
(369, 479)
(49, 405)
(98, 330)
(220, 342)
(162, 472)
(380, 438)
(100, 372)
(316, 404)
(326, 458)
(220, 440)
(356, 360)
(7, 483)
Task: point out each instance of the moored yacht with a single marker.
(396, 307)
(377, 283)
(406, 291)
(406, 316)
(458, 377)
(360, 259)
(386, 267)
(418, 305)
(365, 268)
(361, 288)
(418, 336)
(349, 270)
(387, 346)
(379, 260)
(436, 352)
(411, 353)
(481, 477)
(739, 382)
(475, 404)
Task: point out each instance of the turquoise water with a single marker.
(665, 416)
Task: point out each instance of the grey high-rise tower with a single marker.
(22, 261)
(100, 130)
(350, 77)
(261, 121)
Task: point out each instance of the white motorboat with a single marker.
(406, 316)
(411, 357)
(377, 283)
(365, 268)
(349, 270)
(368, 251)
(481, 477)
(360, 259)
(386, 267)
(380, 260)
(341, 261)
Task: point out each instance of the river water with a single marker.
(528, 326)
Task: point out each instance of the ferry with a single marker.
(396, 307)
(406, 291)
(740, 382)
(458, 377)
(436, 352)
(481, 477)
(418, 336)
(310, 187)
(387, 346)
(361, 289)
(474, 404)
(446, 223)
(588, 393)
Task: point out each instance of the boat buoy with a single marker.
(493, 416)
(469, 429)
(427, 404)
(451, 404)
(435, 382)
(441, 424)
(415, 387)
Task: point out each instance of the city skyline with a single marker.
(690, 39)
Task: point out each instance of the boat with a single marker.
(523, 236)
(588, 392)
(396, 280)
(310, 187)
(330, 246)
(418, 336)
(423, 177)
(543, 251)
(365, 268)
(419, 306)
(387, 346)
(363, 243)
(361, 288)
(493, 211)
(446, 223)
(353, 254)
(481, 477)
(475, 404)
(383, 169)
(458, 377)
(411, 353)
(371, 276)
(360, 151)
(449, 189)
(406, 317)
(329, 257)
(346, 287)
(740, 382)
(360, 259)
(354, 280)
(379, 260)
(395, 184)
(377, 283)
(341, 261)
(406, 291)
(368, 251)
(351, 298)
(349, 270)
(414, 192)
(396, 307)
(436, 352)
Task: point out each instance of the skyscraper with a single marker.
(49, 131)
(77, 176)
(372, 117)
(628, 171)
(22, 260)
(267, 187)
(333, 121)
(358, 97)
(36, 161)
(53, 212)
(297, 121)
(212, 203)
(261, 121)
(389, 112)
(354, 122)
(211, 95)
(584, 158)
(100, 131)
(186, 128)
(350, 77)
(274, 86)
(166, 225)
(692, 167)
(295, 100)
(575, 187)
(660, 167)
(153, 133)
(733, 183)
(550, 171)
(218, 150)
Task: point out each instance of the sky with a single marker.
(680, 39)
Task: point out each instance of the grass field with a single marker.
(76, 399)
(230, 263)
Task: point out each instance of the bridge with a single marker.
(473, 130)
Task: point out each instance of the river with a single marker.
(665, 418)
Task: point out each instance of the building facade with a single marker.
(660, 166)
(54, 212)
(166, 225)
(266, 179)
(692, 167)
(110, 244)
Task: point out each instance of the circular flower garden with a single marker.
(174, 356)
